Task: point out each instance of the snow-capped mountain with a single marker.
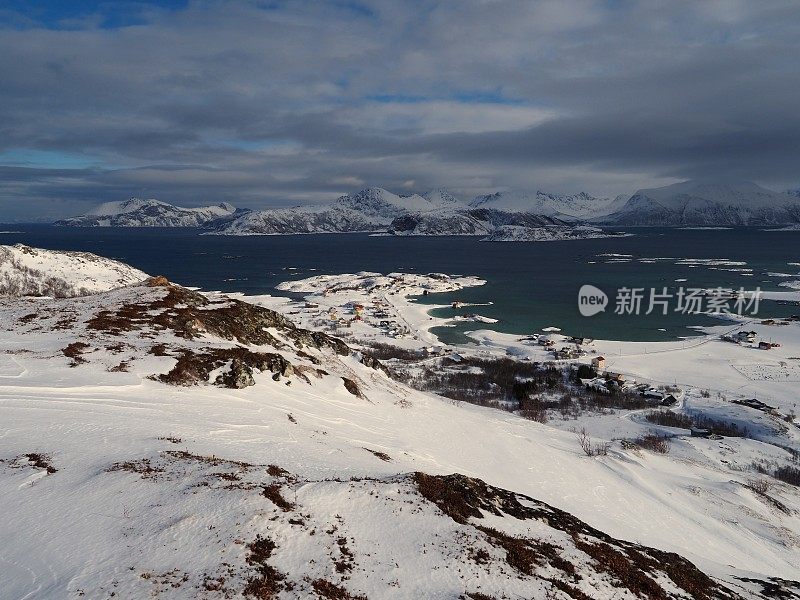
(701, 203)
(464, 220)
(436, 212)
(136, 212)
(26, 271)
(580, 206)
(371, 209)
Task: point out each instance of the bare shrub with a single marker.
(667, 418)
(589, 446)
(787, 474)
(760, 486)
(654, 443)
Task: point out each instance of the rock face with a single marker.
(152, 213)
(26, 271)
(474, 221)
(239, 376)
(699, 203)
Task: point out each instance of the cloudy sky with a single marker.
(272, 103)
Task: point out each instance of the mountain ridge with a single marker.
(706, 203)
(138, 212)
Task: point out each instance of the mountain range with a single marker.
(136, 212)
(438, 212)
(702, 203)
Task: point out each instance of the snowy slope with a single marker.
(707, 204)
(159, 443)
(26, 271)
(150, 213)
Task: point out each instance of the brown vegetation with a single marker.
(627, 565)
(75, 351)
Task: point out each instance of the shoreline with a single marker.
(389, 314)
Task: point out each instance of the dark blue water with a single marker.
(531, 285)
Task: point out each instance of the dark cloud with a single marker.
(266, 104)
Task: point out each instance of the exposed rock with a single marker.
(639, 569)
(157, 281)
(373, 363)
(352, 387)
(237, 377)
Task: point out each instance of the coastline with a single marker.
(701, 362)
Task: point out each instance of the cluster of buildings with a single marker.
(749, 337)
(376, 315)
(564, 348)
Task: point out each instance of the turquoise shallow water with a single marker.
(530, 285)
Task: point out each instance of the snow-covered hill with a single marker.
(26, 271)
(159, 442)
(701, 203)
(151, 213)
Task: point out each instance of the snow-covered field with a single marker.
(115, 482)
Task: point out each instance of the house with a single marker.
(755, 404)
(597, 384)
(549, 340)
(599, 363)
(434, 350)
(618, 377)
(746, 336)
(566, 353)
(767, 345)
(581, 341)
(669, 400)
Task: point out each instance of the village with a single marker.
(379, 313)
